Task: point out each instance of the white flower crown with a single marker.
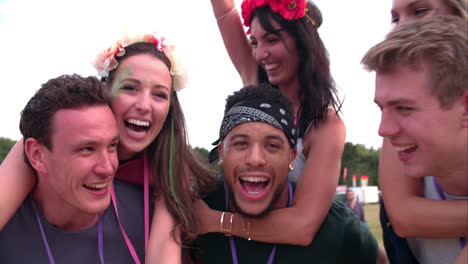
(105, 60)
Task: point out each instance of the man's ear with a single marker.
(36, 153)
(293, 155)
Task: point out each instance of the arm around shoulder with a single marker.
(17, 179)
(323, 149)
(410, 213)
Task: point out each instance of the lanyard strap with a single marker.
(443, 197)
(46, 244)
(231, 239)
(122, 230)
(146, 211)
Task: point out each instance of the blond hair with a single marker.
(459, 7)
(441, 41)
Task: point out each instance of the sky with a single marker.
(40, 40)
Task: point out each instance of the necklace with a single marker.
(46, 244)
(231, 239)
(443, 197)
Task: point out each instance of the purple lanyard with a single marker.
(443, 197)
(231, 239)
(46, 244)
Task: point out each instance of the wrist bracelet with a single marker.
(226, 231)
(225, 14)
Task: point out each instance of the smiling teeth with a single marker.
(97, 185)
(405, 147)
(254, 179)
(138, 122)
(270, 66)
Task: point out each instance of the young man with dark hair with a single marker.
(256, 150)
(70, 140)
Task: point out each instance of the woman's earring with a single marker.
(291, 167)
(220, 162)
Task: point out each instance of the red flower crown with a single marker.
(287, 9)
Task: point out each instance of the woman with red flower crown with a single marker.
(285, 49)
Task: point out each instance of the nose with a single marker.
(256, 157)
(143, 103)
(260, 52)
(388, 125)
(106, 163)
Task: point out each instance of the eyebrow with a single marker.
(397, 101)
(277, 137)
(274, 136)
(139, 83)
(237, 136)
(92, 142)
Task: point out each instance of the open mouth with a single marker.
(96, 187)
(406, 150)
(254, 185)
(137, 126)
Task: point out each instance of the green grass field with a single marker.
(371, 212)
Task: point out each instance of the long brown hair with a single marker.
(178, 177)
(318, 90)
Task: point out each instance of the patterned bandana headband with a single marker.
(255, 111)
(287, 9)
(106, 59)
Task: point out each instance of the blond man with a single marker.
(421, 88)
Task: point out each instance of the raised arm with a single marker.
(162, 248)
(410, 213)
(313, 196)
(235, 40)
(17, 179)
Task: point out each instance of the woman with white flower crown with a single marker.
(285, 49)
(142, 75)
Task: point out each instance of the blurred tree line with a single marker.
(5, 145)
(358, 160)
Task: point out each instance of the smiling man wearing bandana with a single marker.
(70, 140)
(256, 150)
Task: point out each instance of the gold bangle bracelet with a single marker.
(226, 231)
(221, 221)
